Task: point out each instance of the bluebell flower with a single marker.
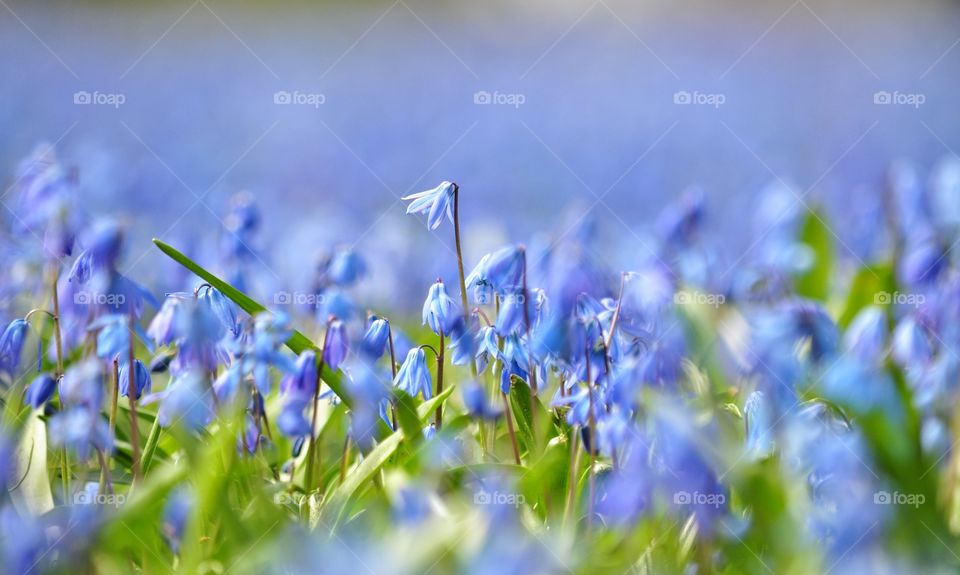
(513, 314)
(302, 381)
(224, 309)
(911, 344)
(475, 400)
(291, 421)
(141, 378)
(497, 272)
(47, 204)
(462, 343)
(198, 333)
(375, 339)
(270, 332)
(113, 338)
(439, 310)
(487, 348)
(82, 385)
(679, 222)
(336, 303)
(11, 346)
(186, 400)
(438, 202)
(414, 375)
(101, 255)
(759, 420)
(175, 513)
(346, 267)
(336, 345)
(80, 429)
(41, 390)
(163, 327)
(866, 335)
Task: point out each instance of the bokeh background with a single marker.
(585, 125)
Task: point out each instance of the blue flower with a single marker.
(437, 202)
(291, 421)
(346, 267)
(414, 375)
(186, 399)
(163, 327)
(113, 339)
(502, 270)
(487, 348)
(82, 385)
(911, 344)
(175, 514)
(440, 312)
(141, 378)
(866, 336)
(512, 314)
(375, 339)
(336, 345)
(11, 346)
(101, 255)
(41, 390)
(302, 381)
(475, 400)
(462, 343)
(80, 429)
(222, 308)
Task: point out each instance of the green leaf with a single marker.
(815, 282)
(297, 342)
(869, 286)
(407, 418)
(523, 412)
(32, 492)
(372, 462)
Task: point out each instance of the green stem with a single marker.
(439, 418)
(151, 447)
(132, 397)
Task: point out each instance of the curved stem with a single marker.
(439, 417)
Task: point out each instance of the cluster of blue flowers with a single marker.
(670, 394)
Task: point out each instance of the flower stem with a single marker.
(312, 448)
(439, 417)
(456, 234)
(513, 436)
(64, 458)
(531, 367)
(113, 415)
(132, 392)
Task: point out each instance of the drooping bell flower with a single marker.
(439, 310)
(100, 255)
(11, 346)
(375, 339)
(911, 344)
(163, 326)
(475, 400)
(513, 315)
(498, 272)
(222, 308)
(41, 390)
(113, 338)
(291, 421)
(866, 336)
(437, 202)
(336, 345)
(487, 348)
(462, 343)
(414, 375)
(302, 381)
(186, 400)
(346, 267)
(141, 378)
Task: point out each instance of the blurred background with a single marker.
(548, 114)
